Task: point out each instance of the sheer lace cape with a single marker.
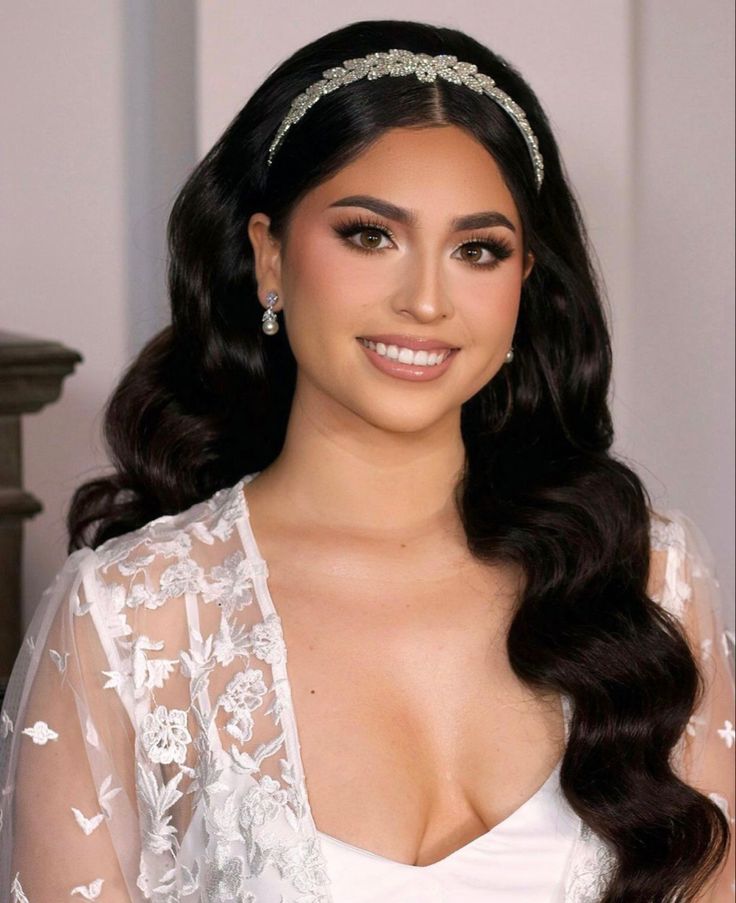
(148, 744)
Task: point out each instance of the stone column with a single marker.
(31, 375)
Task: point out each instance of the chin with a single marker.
(406, 417)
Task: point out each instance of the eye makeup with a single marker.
(346, 229)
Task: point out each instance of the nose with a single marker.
(424, 295)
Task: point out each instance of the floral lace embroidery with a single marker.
(41, 733)
(244, 693)
(165, 735)
(262, 824)
(593, 864)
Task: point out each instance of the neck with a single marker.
(338, 471)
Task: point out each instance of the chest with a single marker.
(416, 736)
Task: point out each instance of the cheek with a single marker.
(320, 281)
(495, 308)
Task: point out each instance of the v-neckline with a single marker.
(487, 836)
(291, 732)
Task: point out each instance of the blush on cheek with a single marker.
(327, 280)
(494, 315)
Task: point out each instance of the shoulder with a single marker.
(207, 522)
(674, 534)
(680, 558)
(132, 576)
(141, 595)
(672, 529)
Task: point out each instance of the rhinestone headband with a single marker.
(426, 68)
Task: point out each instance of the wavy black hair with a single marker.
(207, 401)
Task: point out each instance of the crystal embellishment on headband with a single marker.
(426, 68)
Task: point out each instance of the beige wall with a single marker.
(108, 104)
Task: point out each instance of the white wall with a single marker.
(98, 131)
(62, 261)
(676, 368)
(107, 105)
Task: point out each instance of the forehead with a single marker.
(438, 171)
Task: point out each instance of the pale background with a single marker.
(105, 106)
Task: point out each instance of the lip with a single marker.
(416, 343)
(411, 372)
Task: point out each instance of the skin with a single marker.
(396, 634)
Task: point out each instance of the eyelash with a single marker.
(500, 249)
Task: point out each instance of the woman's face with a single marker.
(377, 252)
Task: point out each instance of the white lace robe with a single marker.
(148, 744)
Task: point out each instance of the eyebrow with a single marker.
(409, 218)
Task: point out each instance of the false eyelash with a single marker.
(500, 249)
(349, 227)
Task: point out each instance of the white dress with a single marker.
(149, 748)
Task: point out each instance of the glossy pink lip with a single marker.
(416, 343)
(412, 372)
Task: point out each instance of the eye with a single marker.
(374, 232)
(496, 249)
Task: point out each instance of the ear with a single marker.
(266, 257)
(529, 265)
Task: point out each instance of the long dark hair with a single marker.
(207, 401)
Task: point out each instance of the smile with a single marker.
(407, 363)
(407, 355)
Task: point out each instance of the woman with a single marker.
(376, 434)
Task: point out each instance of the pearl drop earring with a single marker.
(510, 355)
(269, 322)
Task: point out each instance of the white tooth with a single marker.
(420, 357)
(433, 357)
(392, 352)
(406, 356)
(380, 348)
(372, 345)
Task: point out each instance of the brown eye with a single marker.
(369, 235)
(372, 236)
(475, 253)
(472, 252)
